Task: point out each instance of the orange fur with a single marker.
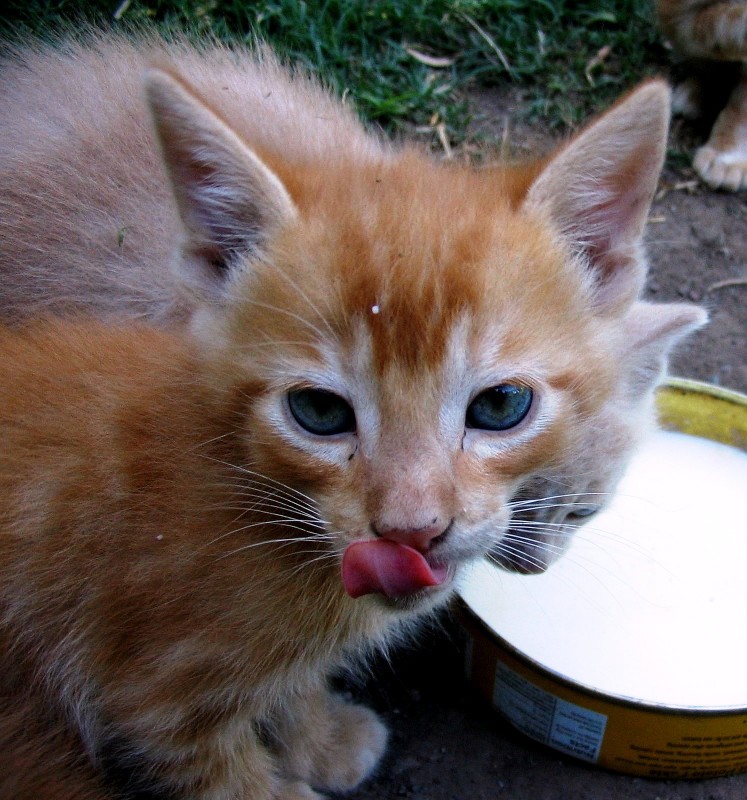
(124, 501)
(171, 532)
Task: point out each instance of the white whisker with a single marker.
(292, 315)
(254, 498)
(544, 502)
(265, 543)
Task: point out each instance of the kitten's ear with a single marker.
(230, 202)
(597, 191)
(650, 331)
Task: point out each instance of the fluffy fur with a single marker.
(170, 533)
(713, 31)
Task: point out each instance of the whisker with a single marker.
(274, 482)
(533, 503)
(541, 525)
(265, 479)
(596, 537)
(277, 543)
(259, 497)
(216, 439)
(297, 288)
(593, 575)
(279, 342)
(288, 313)
(270, 509)
(519, 539)
(317, 536)
(312, 561)
(512, 551)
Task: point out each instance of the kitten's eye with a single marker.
(321, 412)
(584, 511)
(499, 408)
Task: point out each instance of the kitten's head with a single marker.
(417, 344)
(558, 499)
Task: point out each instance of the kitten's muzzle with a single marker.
(381, 566)
(395, 563)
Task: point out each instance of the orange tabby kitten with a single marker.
(373, 354)
(714, 30)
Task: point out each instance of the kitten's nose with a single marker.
(420, 538)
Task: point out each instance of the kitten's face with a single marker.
(583, 477)
(432, 382)
(416, 345)
(554, 503)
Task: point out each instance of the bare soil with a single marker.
(446, 743)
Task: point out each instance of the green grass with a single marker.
(546, 47)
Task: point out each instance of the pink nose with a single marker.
(419, 538)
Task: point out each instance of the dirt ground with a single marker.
(446, 744)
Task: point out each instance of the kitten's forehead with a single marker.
(411, 257)
(489, 282)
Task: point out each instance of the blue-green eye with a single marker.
(500, 407)
(321, 412)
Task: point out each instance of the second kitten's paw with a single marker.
(722, 169)
(722, 161)
(687, 99)
(355, 748)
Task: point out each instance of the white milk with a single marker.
(650, 601)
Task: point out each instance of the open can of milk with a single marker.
(631, 651)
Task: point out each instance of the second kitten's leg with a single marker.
(715, 31)
(722, 161)
(687, 98)
(329, 743)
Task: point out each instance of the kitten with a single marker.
(89, 222)
(714, 31)
(372, 354)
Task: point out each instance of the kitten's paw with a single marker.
(722, 169)
(298, 790)
(331, 744)
(355, 748)
(687, 99)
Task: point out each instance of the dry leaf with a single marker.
(686, 186)
(597, 61)
(444, 139)
(728, 282)
(430, 61)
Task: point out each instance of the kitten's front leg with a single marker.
(328, 742)
(234, 763)
(296, 790)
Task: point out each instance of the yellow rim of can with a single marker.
(702, 409)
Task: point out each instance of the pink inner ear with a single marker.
(380, 566)
(597, 191)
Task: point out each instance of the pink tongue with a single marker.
(385, 567)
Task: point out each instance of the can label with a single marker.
(686, 756)
(547, 718)
(622, 736)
